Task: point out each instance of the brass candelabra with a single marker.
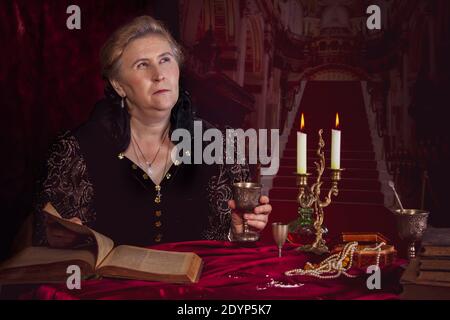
(309, 197)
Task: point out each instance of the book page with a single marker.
(440, 276)
(435, 264)
(149, 261)
(439, 237)
(45, 265)
(411, 276)
(435, 251)
(42, 255)
(104, 244)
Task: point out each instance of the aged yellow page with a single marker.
(149, 261)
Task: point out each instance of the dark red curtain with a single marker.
(49, 82)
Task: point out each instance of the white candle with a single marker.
(336, 146)
(301, 148)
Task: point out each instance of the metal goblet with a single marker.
(280, 233)
(246, 195)
(411, 224)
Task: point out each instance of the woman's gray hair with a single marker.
(140, 27)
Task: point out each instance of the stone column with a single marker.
(406, 120)
(242, 51)
(263, 106)
(432, 48)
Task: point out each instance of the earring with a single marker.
(122, 103)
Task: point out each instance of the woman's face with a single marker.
(148, 74)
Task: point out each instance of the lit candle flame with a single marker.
(337, 120)
(302, 122)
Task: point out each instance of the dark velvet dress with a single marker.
(87, 177)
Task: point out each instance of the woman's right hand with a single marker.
(60, 237)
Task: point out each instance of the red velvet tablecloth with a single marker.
(235, 272)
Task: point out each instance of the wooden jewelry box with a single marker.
(363, 256)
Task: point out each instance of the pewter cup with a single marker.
(411, 224)
(280, 232)
(246, 195)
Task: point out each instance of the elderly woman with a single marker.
(115, 173)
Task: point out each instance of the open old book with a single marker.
(46, 265)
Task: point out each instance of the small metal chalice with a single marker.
(246, 195)
(411, 224)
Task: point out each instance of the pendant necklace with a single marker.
(158, 186)
(148, 164)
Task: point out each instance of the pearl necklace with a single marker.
(336, 264)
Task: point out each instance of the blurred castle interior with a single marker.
(255, 64)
